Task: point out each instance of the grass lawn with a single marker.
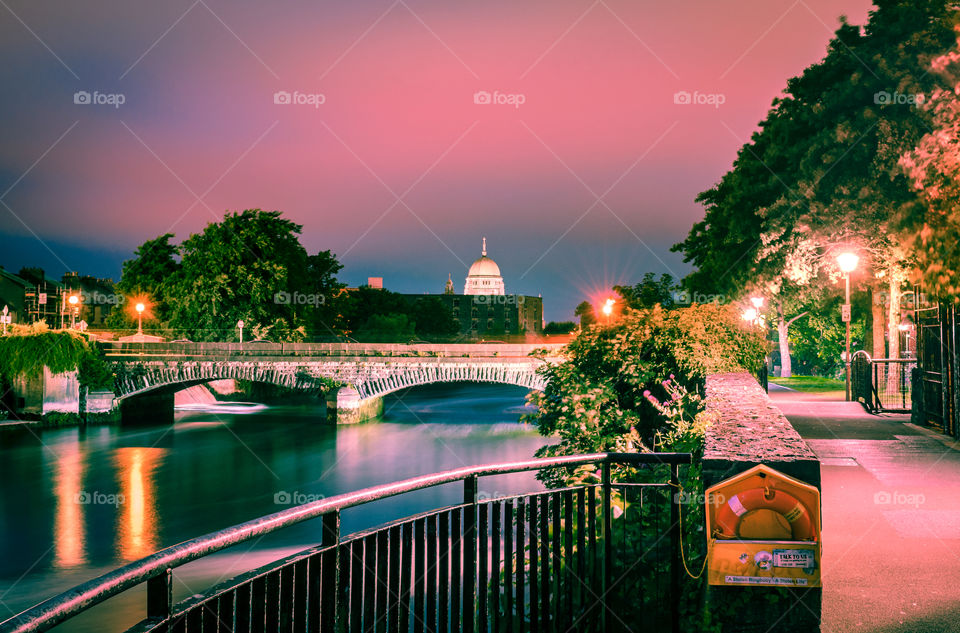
(811, 384)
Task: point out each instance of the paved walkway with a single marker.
(891, 517)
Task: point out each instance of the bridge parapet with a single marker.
(326, 350)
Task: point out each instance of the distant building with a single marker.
(375, 282)
(485, 310)
(13, 291)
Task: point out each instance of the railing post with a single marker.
(160, 595)
(607, 564)
(470, 489)
(331, 605)
(675, 560)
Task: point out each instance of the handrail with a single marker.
(59, 608)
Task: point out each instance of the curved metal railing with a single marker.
(156, 569)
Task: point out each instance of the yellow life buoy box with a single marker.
(763, 529)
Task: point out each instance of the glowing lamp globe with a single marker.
(848, 262)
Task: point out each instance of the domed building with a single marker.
(484, 276)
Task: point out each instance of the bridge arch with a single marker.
(370, 378)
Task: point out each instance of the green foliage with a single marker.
(595, 400)
(374, 315)
(559, 327)
(586, 313)
(636, 386)
(390, 327)
(28, 348)
(650, 292)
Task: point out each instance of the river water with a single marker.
(76, 503)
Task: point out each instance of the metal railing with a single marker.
(115, 349)
(882, 384)
(585, 558)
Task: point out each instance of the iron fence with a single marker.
(882, 384)
(588, 558)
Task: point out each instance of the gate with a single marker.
(937, 388)
(882, 385)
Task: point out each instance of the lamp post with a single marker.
(140, 308)
(848, 263)
(5, 318)
(240, 327)
(607, 309)
(74, 302)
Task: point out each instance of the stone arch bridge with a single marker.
(354, 377)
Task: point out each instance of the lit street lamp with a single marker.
(140, 308)
(607, 309)
(240, 327)
(848, 263)
(74, 302)
(757, 302)
(5, 318)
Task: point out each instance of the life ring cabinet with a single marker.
(763, 530)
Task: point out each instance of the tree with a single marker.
(149, 277)
(321, 278)
(559, 327)
(250, 266)
(432, 317)
(822, 173)
(651, 291)
(933, 167)
(586, 313)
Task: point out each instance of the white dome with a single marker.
(484, 267)
(484, 276)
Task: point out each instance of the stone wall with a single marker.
(749, 430)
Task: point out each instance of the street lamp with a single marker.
(140, 308)
(240, 327)
(848, 263)
(74, 302)
(607, 309)
(757, 302)
(5, 318)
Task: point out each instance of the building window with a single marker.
(456, 302)
(456, 313)
(474, 313)
(489, 324)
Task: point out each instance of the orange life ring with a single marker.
(729, 515)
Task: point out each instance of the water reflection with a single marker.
(69, 531)
(137, 521)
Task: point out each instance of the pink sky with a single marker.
(598, 118)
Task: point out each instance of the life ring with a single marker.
(730, 514)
